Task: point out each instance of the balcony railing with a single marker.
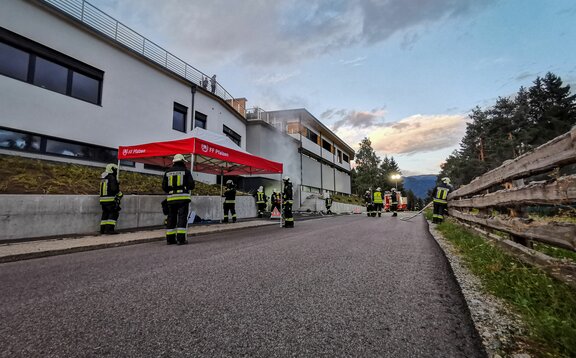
(107, 26)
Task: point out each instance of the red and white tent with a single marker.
(210, 153)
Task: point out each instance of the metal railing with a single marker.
(97, 20)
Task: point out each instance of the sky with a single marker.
(404, 73)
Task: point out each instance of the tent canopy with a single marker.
(213, 154)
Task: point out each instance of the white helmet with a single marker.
(229, 181)
(286, 178)
(260, 188)
(378, 189)
(179, 158)
(446, 180)
(393, 189)
(111, 167)
(367, 191)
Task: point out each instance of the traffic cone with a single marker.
(275, 214)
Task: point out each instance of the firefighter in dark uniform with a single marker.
(394, 202)
(288, 197)
(261, 200)
(177, 183)
(275, 201)
(110, 196)
(230, 201)
(378, 202)
(328, 204)
(440, 198)
(368, 202)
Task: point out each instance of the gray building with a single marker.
(316, 160)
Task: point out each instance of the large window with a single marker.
(179, 117)
(36, 64)
(13, 62)
(236, 138)
(326, 145)
(311, 135)
(345, 157)
(36, 143)
(200, 120)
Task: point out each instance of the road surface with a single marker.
(347, 286)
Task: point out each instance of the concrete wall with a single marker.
(29, 216)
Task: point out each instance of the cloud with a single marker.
(354, 119)
(415, 134)
(255, 32)
(358, 61)
(275, 78)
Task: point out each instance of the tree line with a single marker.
(512, 127)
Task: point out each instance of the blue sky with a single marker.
(404, 73)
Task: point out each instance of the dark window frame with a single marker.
(200, 117)
(345, 158)
(235, 137)
(35, 50)
(183, 110)
(325, 144)
(92, 148)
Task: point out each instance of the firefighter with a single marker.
(261, 200)
(275, 201)
(288, 197)
(440, 198)
(230, 201)
(394, 202)
(177, 183)
(368, 202)
(110, 196)
(378, 202)
(328, 203)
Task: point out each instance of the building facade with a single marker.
(75, 84)
(73, 92)
(316, 160)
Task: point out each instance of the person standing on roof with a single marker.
(230, 201)
(261, 200)
(378, 202)
(177, 183)
(288, 197)
(440, 198)
(394, 202)
(110, 196)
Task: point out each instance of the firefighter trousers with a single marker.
(110, 214)
(177, 222)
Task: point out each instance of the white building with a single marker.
(75, 84)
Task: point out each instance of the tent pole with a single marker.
(190, 203)
(221, 186)
(118, 171)
(281, 199)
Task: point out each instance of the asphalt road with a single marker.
(349, 286)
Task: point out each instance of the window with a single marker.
(36, 143)
(179, 117)
(28, 61)
(13, 62)
(311, 135)
(236, 138)
(50, 75)
(345, 157)
(326, 145)
(85, 88)
(339, 155)
(19, 141)
(200, 120)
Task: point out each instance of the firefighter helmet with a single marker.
(110, 168)
(286, 178)
(229, 182)
(178, 158)
(378, 189)
(393, 189)
(261, 188)
(446, 180)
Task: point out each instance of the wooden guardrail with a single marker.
(500, 200)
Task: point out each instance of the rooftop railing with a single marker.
(97, 20)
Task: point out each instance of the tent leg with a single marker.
(221, 188)
(281, 200)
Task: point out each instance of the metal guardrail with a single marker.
(106, 25)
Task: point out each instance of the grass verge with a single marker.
(547, 306)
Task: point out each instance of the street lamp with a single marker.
(395, 177)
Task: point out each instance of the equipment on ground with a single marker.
(418, 213)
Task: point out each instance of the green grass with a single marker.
(547, 306)
(556, 252)
(31, 176)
